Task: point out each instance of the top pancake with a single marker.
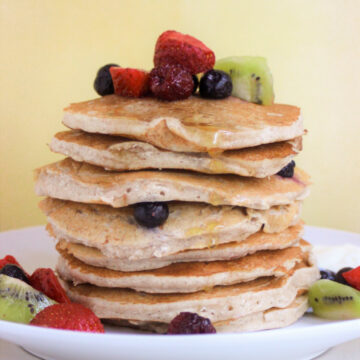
(191, 125)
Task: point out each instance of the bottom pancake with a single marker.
(220, 303)
(262, 320)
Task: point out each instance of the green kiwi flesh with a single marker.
(335, 301)
(251, 78)
(19, 302)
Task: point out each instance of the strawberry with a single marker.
(46, 281)
(130, 82)
(9, 259)
(352, 277)
(68, 317)
(174, 48)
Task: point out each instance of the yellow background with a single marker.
(51, 50)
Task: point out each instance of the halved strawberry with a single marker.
(175, 48)
(46, 281)
(68, 317)
(130, 82)
(352, 277)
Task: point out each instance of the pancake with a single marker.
(218, 304)
(116, 153)
(75, 181)
(262, 320)
(185, 277)
(229, 251)
(189, 226)
(192, 125)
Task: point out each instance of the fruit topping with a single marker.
(171, 82)
(19, 302)
(130, 82)
(215, 84)
(288, 170)
(352, 277)
(69, 317)
(196, 83)
(46, 281)
(15, 272)
(327, 274)
(151, 214)
(103, 83)
(174, 48)
(251, 77)
(339, 275)
(332, 300)
(190, 323)
(8, 259)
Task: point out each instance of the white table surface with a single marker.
(347, 351)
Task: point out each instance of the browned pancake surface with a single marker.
(194, 124)
(72, 180)
(268, 259)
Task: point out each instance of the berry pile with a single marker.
(34, 299)
(347, 276)
(336, 296)
(178, 59)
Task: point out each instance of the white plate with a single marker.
(307, 338)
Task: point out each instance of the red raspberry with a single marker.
(190, 323)
(171, 82)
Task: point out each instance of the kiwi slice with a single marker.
(19, 302)
(331, 300)
(251, 78)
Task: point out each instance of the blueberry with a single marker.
(288, 170)
(327, 274)
(196, 83)
(151, 214)
(15, 272)
(339, 278)
(215, 84)
(190, 323)
(103, 83)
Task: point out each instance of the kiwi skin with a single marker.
(334, 301)
(251, 77)
(19, 302)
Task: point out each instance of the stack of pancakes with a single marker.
(231, 249)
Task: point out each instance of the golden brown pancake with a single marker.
(218, 304)
(257, 242)
(116, 153)
(192, 125)
(189, 226)
(71, 180)
(186, 277)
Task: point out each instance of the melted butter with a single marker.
(209, 228)
(217, 166)
(215, 199)
(208, 288)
